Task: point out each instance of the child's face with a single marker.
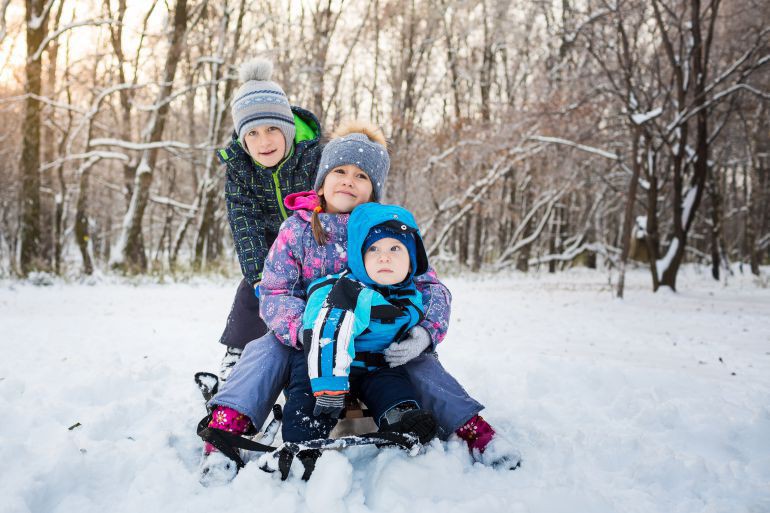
(387, 261)
(344, 188)
(266, 144)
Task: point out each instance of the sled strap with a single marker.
(228, 443)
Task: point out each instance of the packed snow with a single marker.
(655, 403)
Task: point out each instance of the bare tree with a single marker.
(129, 252)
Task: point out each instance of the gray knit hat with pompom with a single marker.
(356, 149)
(261, 102)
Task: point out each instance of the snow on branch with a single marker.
(763, 242)
(742, 87)
(662, 264)
(642, 118)
(43, 99)
(590, 149)
(37, 20)
(51, 37)
(94, 109)
(88, 164)
(168, 99)
(161, 200)
(583, 147)
(687, 203)
(685, 114)
(83, 156)
(436, 159)
(211, 59)
(129, 145)
(173, 203)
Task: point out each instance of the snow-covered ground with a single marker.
(656, 403)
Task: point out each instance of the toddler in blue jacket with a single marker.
(350, 319)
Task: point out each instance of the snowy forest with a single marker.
(591, 182)
(523, 133)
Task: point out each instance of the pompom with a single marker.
(373, 132)
(256, 69)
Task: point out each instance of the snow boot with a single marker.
(217, 468)
(487, 446)
(232, 355)
(410, 419)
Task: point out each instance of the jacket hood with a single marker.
(367, 216)
(306, 200)
(307, 126)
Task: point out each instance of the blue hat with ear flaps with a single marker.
(390, 221)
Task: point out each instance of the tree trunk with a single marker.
(628, 217)
(29, 166)
(683, 219)
(487, 62)
(82, 236)
(206, 224)
(716, 225)
(652, 235)
(478, 239)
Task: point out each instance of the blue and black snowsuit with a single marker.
(254, 197)
(347, 324)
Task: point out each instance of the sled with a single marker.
(306, 452)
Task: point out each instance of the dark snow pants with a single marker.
(380, 389)
(244, 323)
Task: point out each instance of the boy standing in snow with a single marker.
(351, 318)
(274, 152)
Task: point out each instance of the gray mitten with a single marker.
(331, 405)
(398, 353)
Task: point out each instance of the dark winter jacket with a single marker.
(349, 319)
(254, 194)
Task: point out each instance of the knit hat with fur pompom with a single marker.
(360, 144)
(261, 102)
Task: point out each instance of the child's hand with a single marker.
(398, 353)
(332, 405)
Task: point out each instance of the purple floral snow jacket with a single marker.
(295, 260)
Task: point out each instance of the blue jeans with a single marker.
(265, 369)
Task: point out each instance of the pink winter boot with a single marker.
(216, 468)
(487, 446)
(227, 419)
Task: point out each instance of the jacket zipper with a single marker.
(277, 184)
(278, 193)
